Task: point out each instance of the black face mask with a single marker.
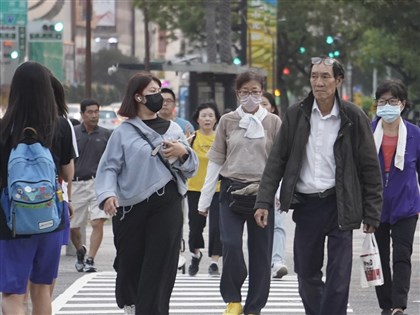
(154, 102)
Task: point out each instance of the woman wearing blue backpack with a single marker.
(34, 257)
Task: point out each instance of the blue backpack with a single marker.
(32, 200)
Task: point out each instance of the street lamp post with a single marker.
(146, 37)
(88, 55)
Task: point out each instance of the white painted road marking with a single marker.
(94, 294)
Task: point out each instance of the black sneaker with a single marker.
(214, 270)
(89, 265)
(193, 268)
(80, 261)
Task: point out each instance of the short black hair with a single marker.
(396, 88)
(87, 102)
(211, 105)
(167, 90)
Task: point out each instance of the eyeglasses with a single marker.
(327, 61)
(246, 93)
(390, 101)
(168, 101)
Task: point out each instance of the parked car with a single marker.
(74, 111)
(108, 118)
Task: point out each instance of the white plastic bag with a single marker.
(371, 268)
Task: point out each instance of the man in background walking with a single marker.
(91, 142)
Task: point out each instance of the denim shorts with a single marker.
(35, 258)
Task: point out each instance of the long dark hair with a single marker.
(272, 101)
(62, 108)
(31, 104)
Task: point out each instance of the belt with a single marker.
(79, 179)
(319, 195)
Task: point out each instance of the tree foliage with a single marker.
(391, 39)
(381, 34)
(184, 15)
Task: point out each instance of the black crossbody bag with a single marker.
(157, 152)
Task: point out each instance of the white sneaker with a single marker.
(278, 270)
(129, 310)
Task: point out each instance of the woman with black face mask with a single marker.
(141, 182)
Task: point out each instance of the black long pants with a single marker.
(197, 223)
(393, 293)
(259, 253)
(315, 220)
(147, 242)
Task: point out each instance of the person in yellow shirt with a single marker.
(206, 115)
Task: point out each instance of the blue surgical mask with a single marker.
(388, 112)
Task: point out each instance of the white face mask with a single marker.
(249, 102)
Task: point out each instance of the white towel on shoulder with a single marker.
(401, 144)
(252, 122)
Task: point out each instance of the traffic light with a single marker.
(14, 54)
(329, 40)
(237, 61)
(302, 50)
(286, 71)
(277, 92)
(47, 31)
(9, 50)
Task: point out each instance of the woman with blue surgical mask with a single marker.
(398, 146)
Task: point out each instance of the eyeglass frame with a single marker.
(328, 61)
(388, 101)
(168, 101)
(248, 93)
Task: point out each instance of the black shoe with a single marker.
(80, 262)
(193, 268)
(386, 312)
(214, 270)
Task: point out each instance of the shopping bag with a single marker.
(371, 268)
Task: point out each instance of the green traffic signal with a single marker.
(302, 50)
(337, 53)
(237, 61)
(329, 39)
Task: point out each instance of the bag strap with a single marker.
(144, 137)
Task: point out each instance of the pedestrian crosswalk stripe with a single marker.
(94, 294)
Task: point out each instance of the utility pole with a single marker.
(88, 54)
(146, 37)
